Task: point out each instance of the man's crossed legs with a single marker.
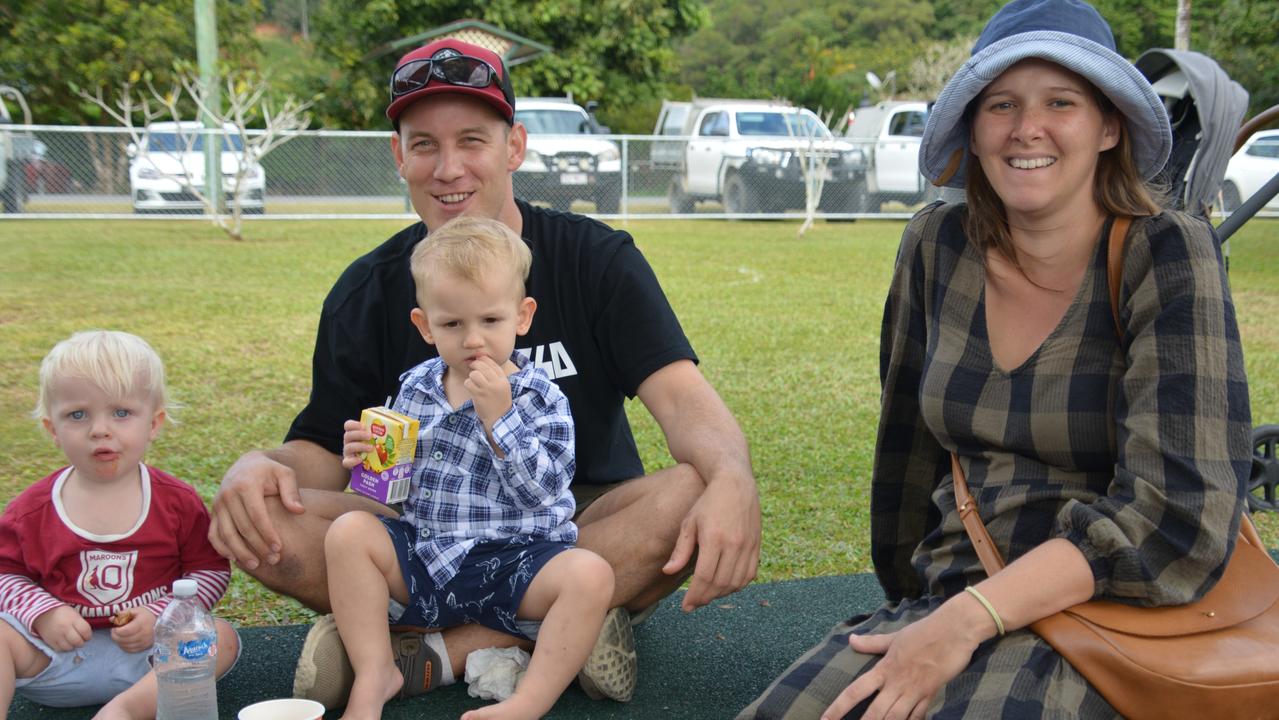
(634, 526)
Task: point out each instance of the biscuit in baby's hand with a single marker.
(122, 618)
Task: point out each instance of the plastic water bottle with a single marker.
(185, 658)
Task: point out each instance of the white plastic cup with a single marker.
(285, 709)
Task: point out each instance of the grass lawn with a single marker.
(787, 330)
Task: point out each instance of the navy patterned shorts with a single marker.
(487, 588)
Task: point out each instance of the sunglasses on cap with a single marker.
(460, 70)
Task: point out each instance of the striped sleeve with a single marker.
(210, 585)
(25, 600)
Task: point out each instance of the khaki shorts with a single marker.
(585, 495)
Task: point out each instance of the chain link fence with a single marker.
(81, 172)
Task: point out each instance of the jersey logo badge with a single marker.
(106, 577)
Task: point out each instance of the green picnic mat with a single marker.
(707, 664)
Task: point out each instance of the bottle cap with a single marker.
(184, 588)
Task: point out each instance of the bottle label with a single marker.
(198, 648)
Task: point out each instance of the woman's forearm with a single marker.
(1046, 580)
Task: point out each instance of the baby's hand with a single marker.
(137, 634)
(62, 629)
(355, 443)
(490, 390)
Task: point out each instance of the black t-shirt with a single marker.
(602, 326)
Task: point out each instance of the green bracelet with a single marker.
(999, 624)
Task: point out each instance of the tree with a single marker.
(243, 101)
(936, 63)
(1182, 41)
(814, 155)
(616, 52)
(1240, 36)
(101, 43)
(50, 45)
(816, 55)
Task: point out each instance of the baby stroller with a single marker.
(1205, 108)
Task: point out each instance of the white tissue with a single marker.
(491, 674)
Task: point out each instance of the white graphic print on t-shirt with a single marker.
(556, 363)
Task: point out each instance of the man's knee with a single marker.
(669, 501)
(639, 522)
(301, 558)
(685, 487)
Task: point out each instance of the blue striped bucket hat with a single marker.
(1070, 33)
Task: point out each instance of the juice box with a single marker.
(384, 474)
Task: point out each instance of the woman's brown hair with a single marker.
(1118, 187)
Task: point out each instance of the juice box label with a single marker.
(385, 472)
(394, 438)
(389, 486)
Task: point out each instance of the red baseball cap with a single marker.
(497, 93)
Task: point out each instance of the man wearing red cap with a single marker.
(604, 331)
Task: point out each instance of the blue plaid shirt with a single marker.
(462, 492)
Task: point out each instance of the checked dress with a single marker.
(1134, 447)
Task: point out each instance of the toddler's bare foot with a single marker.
(513, 708)
(371, 690)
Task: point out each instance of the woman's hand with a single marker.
(918, 660)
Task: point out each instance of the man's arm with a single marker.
(240, 527)
(723, 526)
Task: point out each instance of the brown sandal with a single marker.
(417, 662)
(324, 672)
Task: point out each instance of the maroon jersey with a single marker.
(46, 561)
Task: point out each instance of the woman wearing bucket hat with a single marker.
(1103, 465)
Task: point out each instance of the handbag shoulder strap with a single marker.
(976, 529)
(1115, 265)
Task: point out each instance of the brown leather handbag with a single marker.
(1215, 658)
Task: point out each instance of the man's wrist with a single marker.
(742, 478)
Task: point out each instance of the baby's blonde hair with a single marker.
(117, 362)
(470, 247)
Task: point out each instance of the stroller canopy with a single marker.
(1205, 108)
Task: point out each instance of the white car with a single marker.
(563, 162)
(752, 155)
(166, 173)
(890, 134)
(1250, 168)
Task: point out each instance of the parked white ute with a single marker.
(751, 156)
(564, 162)
(167, 171)
(889, 134)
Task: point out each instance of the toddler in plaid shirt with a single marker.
(486, 536)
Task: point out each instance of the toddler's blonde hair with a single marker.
(117, 362)
(470, 247)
